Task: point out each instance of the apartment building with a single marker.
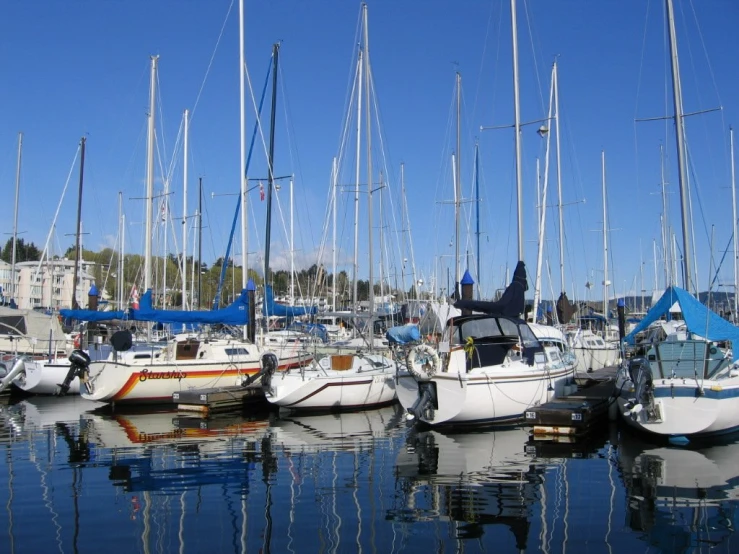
(46, 286)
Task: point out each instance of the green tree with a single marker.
(23, 252)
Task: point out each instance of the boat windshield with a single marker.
(486, 327)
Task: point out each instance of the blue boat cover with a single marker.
(273, 308)
(313, 329)
(403, 334)
(235, 314)
(93, 315)
(698, 318)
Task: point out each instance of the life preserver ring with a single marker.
(78, 340)
(422, 361)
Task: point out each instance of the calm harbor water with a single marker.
(74, 480)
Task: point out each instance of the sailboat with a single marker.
(359, 379)
(683, 387)
(593, 340)
(492, 367)
(151, 375)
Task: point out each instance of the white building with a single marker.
(4, 282)
(48, 285)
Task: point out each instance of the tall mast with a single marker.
(605, 235)
(334, 184)
(292, 246)
(120, 284)
(734, 222)
(517, 128)
(666, 240)
(477, 216)
(543, 203)
(150, 172)
(200, 239)
(681, 162)
(355, 271)
(186, 117)
(555, 80)
(123, 259)
(457, 185)
(78, 256)
(15, 216)
(408, 230)
(242, 165)
(271, 163)
(369, 176)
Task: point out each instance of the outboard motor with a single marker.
(80, 368)
(18, 367)
(641, 376)
(269, 365)
(425, 404)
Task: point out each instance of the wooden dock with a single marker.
(574, 415)
(220, 399)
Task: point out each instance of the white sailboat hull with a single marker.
(498, 394)
(369, 382)
(45, 378)
(595, 358)
(154, 383)
(682, 410)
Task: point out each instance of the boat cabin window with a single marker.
(483, 328)
(687, 359)
(237, 352)
(12, 325)
(493, 337)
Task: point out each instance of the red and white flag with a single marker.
(261, 191)
(135, 297)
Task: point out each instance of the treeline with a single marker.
(311, 281)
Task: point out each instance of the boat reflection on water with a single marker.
(476, 480)
(338, 431)
(681, 498)
(168, 452)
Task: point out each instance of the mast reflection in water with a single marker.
(74, 480)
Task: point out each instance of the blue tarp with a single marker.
(235, 314)
(699, 320)
(93, 315)
(313, 329)
(280, 310)
(403, 334)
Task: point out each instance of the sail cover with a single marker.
(699, 320)
(565, 308)
(235, 314)
(93, 315)
(511, 304)
(273, 308)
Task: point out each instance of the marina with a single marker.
(369, 346)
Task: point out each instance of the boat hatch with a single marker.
(187, 349)
(342, 362)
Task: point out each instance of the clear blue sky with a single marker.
(74, 68)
